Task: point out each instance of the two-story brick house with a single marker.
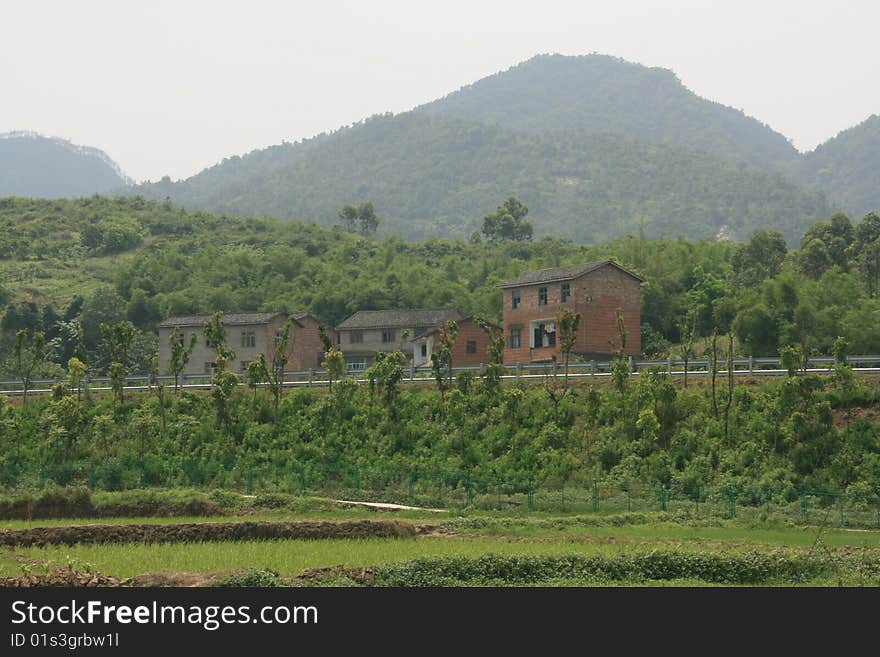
(596, 290)
(368, 331)
(248, 335)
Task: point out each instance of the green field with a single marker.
(523, 544)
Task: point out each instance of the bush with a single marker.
(252, 578)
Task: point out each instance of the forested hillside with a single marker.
(847, 168)
(434, 176)
(44, 167)
(606, 95)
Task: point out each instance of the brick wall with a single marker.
(306, 350)
(468, 330)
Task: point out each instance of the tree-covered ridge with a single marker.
(847, 168)
(434, 176)
(602, 94)
(45, 167)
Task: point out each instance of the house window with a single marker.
(544, 336)
(244, 365)
(471, 347)
(209, 368)
(356, 365)
(248, 339)
(424, 351)
(566, 291)
(515, 337)
(542, 296)
(514, 299)
(388, 335)
(356, 337)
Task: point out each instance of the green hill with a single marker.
(430, 175)
(601, 94)
(45, 167)
(847, 168)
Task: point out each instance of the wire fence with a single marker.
(456, 490)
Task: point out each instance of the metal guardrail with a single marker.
(767, 366)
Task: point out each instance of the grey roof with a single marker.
(229, 319)
(419, 318)
(563, 274)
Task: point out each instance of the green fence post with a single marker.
(628, 499)
(804, 506)
(250, 481)
(412, 485)
(302, 480)
(498, 492)
(42, 478)
(698, 499)
(469, 492)
(595, 496)
(196, 475)
(841, 500)
(531, 497)
(92, 477)
(143, 475)
(357, 480)
(562, 498)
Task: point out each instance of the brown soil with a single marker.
(207, 531)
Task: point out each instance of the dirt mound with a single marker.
(166, 578)
(206, 531)
(314, 576)
(62, 577)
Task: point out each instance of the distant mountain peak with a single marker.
(36, 165)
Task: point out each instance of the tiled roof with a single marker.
(229, 319)
(563, 274)
(420, 318)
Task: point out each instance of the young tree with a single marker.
(257, 373)
(76, 371)
(334, 359)
(567, 324)
(385, 375)
(274, 369)
(687, 331)
(27, 355)
(729, 400)
(619, 366)
(180, 354)
(156, 386)
(494, 369)
(215, 338)
(441, 358)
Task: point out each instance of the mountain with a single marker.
(847, 168)
(32, 165)
(430, 175)
(595, 146)
(602, 94)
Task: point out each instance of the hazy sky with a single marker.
(170, 87)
